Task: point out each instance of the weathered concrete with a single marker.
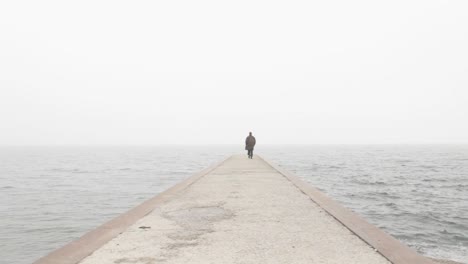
(245, 211)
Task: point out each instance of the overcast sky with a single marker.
(208, 72)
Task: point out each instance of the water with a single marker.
(52, 195)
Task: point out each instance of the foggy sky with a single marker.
(208, 72)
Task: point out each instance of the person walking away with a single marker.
(249, 145)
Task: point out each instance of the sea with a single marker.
(51, 195)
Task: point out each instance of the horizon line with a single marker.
(222, 144)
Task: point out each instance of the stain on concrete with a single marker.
(187, 235)
(198, 218)
(180, 245)
(195, 222)
(143, 260)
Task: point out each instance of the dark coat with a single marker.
(250, 143)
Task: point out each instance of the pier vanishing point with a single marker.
(238, 211)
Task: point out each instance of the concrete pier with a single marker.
(238, 211)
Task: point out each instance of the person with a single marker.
(249, 145)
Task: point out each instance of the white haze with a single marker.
(208, 72)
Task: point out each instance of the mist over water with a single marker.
(50, 196)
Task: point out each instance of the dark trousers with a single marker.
(250, 153)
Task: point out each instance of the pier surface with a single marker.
(240, 211)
